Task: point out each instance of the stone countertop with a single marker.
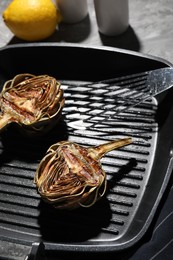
(150, 30)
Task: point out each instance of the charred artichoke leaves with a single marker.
(33, 102)
(70, 175)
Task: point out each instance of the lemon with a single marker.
(31, 20)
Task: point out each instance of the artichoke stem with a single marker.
(5, 120)
(99, 151)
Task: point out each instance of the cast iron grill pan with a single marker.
(137, 174)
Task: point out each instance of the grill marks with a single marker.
(127, 169)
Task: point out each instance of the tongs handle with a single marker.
(160, 80)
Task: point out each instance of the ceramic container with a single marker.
(73, 11)
(112, 16)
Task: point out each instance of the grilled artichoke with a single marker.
(71, 175)
(33, 102)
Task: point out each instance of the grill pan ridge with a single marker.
(137, 174)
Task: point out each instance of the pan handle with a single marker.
(37, 252)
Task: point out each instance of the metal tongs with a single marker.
(108, 98)
(140, 89)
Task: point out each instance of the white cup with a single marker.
(73, 11)
(112, 16)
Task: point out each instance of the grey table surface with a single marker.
(150, 30)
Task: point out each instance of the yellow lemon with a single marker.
(32, 20)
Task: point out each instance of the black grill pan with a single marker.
(137, 174)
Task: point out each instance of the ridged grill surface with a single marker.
(23, 214)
